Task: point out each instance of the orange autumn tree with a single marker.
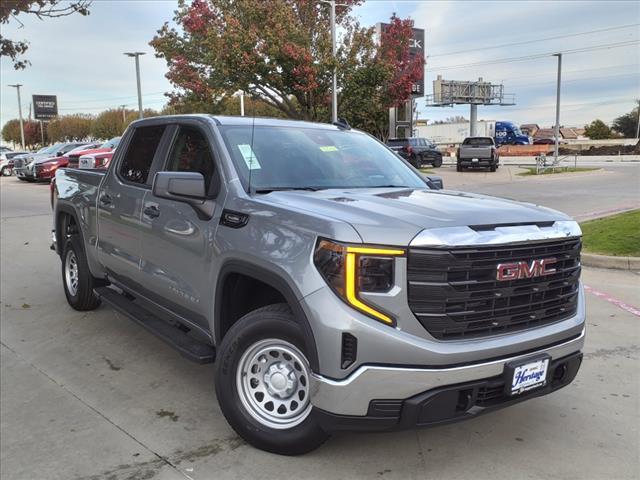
(279, 53)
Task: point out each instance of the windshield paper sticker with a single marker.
(329, 148)
(249, 157)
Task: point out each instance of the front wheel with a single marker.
(263, 383)
(6, 172)
(437, 163)
(458, 168)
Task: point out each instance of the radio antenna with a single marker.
(251, 154)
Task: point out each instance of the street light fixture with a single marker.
(136, 55)
(17, 87)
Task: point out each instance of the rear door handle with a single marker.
(105, 199)
(151, 211)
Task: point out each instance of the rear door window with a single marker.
(136, 164)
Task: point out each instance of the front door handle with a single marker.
(105, 199)
(151, 211)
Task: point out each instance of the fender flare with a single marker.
(64, 207)
(277, 282)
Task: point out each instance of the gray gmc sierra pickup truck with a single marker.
(334, 285)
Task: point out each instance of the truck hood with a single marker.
(396, 216)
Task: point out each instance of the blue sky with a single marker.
(80, 58)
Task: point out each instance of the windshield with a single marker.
(51, 149)
(314, 158)
(113, 143)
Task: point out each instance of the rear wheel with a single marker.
(6, 172)
(493, 167)
(263, 383)
(76, 277)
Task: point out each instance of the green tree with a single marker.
(627, 124)
(70, 128)
(11, 9)
(279, 52)
(597, 130)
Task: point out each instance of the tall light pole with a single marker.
(334, 88)
(136, 55)
(557, 129)
(17, 87)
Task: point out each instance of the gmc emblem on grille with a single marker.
(523, 269)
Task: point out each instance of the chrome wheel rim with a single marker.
(71, 272)
(273, 383)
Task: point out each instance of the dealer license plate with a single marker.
(526, 376)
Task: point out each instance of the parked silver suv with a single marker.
(334, 287)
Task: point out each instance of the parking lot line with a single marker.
(613, 300)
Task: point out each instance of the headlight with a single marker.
(350, 270)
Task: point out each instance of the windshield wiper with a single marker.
(282, 189)
(389, 186)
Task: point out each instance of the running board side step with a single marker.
(188, 346)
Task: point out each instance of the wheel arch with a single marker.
(274, 281)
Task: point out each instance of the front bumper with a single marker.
(353, 395)
(447, 404)
(23, 173)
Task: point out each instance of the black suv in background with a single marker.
(417, 151)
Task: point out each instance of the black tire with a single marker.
(492, 168)
(458, 168)
(270, 322)
(83, 298)
(6, 172)
(22, 179)
(437, 162)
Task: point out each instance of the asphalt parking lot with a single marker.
(90, 395)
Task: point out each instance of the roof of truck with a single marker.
(248, 120)
(272, 122)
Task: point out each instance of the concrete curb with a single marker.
(606, 261)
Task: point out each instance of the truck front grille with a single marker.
(454, 292)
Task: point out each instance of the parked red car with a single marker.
(106, 147)
(45, 170)
(95, 160)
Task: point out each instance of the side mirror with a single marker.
(434, 181)
(186, 187)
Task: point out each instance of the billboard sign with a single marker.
(45, 107)
(416, 48)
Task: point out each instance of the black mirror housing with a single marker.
(434, 181)
(187, 187)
